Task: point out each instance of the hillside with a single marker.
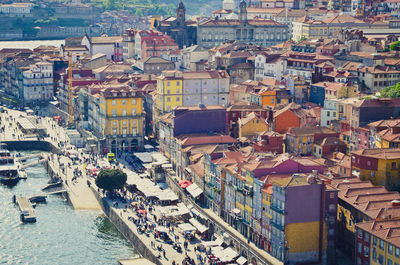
(158, 7)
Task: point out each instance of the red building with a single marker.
(154, 43)
(269, 142)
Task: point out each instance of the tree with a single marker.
(111, 179)
(395, 46)
(391, 91)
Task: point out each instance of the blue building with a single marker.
(317, 93)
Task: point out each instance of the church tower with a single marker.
(243, 12)
(180, 14)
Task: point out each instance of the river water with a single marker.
(61, 235)
(30, 44)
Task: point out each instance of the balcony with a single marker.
(279, 226)
(276, 209)
(245, 221)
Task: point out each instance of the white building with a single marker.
(205, 87)
(110, 46)
(269, 65)
(38, 82)
(328, 113)
(228, 5)
(16, 8)
(192, 55)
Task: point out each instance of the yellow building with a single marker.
(169, 91)
(385, 133)
(121, 119)
(251, 125)
(378, 242)
(380, 166)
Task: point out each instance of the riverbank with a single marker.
(61, 235)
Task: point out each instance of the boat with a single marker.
(52, 186)
(38, 198)
(8, 168)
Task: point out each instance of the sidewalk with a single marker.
(80, 195)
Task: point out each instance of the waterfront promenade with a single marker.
(82, 197)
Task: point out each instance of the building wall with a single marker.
(303, 240)
(303, 210)
(169, 94)
(107, 49)
(285, 121)
(252, 127)
(191, 122)
(317, 95)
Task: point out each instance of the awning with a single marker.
(201, 228)
(162, 229)
(185, 184)
(215, 243)
(236, 211)
(241, 260)
(186, 227)
(194, 190)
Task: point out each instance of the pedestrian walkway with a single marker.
(79, 193)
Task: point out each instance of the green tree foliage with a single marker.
(391, 91)
(395, 46)
(111, 179)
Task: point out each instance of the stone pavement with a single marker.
(80, 195)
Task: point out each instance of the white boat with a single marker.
(8, 168)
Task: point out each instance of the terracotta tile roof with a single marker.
(381, 153)
(200, 140)
(387, 229)
(310, 131)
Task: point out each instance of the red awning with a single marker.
(184, 184)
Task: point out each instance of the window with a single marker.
(134, 101)
(380, 259)
(360, 233)
(114, 123)
(178, 91)
(390, 249)
(168, 91)
(178, 99)
(393, 165)
(397, 252)
(134, 122)
(389, 262)
(359, 248)
(123, 112)
(178, 84)
(381, 244)
(124, 102)
(124, 123)
(114, 112)
(114, 131)
(133, 112)
(168, 99)
(328, 114)
(168, 83)
(113, 102)
(366, 251)
(124, 132)
(366, 237)
(374, 254)
(374, 241)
